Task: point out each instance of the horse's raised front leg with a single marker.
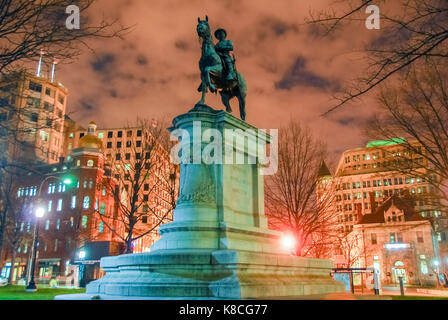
(215, 69)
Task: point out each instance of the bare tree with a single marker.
(292, 199)
(148, 183)
(411, 31)
(15, 217)
(29, 26)
(416, 112)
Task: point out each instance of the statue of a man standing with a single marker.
(223, 48)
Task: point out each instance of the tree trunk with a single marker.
(129, 248)
(2, 230)
(1, 243)
(13, 261)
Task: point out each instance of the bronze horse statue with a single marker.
(213, 75)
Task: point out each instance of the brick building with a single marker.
(397, 241)
(374, 184)
(121, 147)
(72, 235)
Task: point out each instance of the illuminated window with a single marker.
(90, 163)
(86, 202)
(101, 227)
(44, 136)
(59, 207)
(47, 224)
(101, 135)
(58, 224)
(73, 205)
(61, 187)
(50, 203)
(392, 237)
(51, 188)
(103, 208)
(84, 221)
(423, 267)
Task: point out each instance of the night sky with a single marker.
(291, 70)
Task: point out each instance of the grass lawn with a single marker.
(19, 293)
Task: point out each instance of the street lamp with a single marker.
(40, 212)
(289, 242)
(82, 268)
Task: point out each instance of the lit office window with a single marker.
(86, 202)
(50, 204)
(59, 207)
(47, 225)
(51, 188)
(58, 224)
(73, 206)
(103, 208)
(84, 221)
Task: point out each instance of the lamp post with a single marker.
(82, 269)
(40, 212)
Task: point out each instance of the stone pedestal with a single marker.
(218, 245)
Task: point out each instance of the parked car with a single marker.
(3, 282)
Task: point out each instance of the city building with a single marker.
(122, 147)
(72, 234)
(398, 242)
(365, 181)
(70, 127)
(32, 111)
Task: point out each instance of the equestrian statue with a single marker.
(218, 72)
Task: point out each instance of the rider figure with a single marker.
(223, 48)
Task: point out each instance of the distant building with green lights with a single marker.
(366, 178)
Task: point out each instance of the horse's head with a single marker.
(203, 28)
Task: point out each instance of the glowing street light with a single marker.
(289, 242)
(40, 212)
(82, 254)
(67, 180)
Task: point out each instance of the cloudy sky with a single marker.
(291, 71)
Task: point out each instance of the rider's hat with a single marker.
(220, 30)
